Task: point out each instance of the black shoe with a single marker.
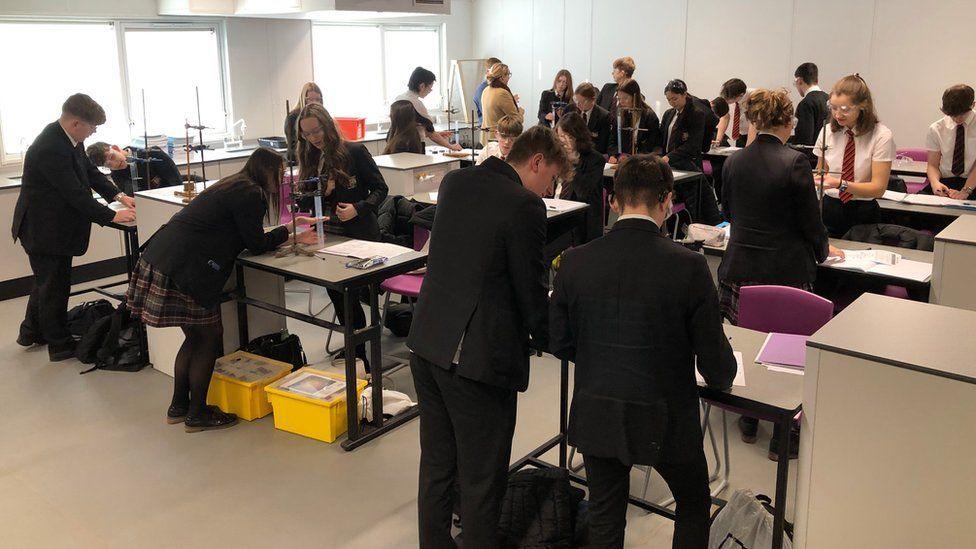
(176, 413)
(794, 444)
(56, 352)
(26, 340)
(209, 419)
(749, 427)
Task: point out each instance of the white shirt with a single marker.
(72, 139)
(813, 88)
(941, 137)
(743, 121)
(667, 136)
(491, 149)
(638, 216)
(875, 146)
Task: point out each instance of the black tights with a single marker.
(195, 364)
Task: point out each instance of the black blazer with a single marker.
(291, 134)
(488, 285)
(55, 209)
(587, 186)
(599, 125)
(163, 171)
(199, 245)
(710, 122)
(811, 113)
(545, 107)
(634, 341)
(607, 98)
(683, 145)
(647, 141)
(777, 234)
(366, 192)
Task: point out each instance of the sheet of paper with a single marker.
(783, 370)
(863, 260)
(559, 205)
(918, 271)
(930, 200)
(740, 373)
(433, 195)
(894, 196)
(117, 206)
(361, 249)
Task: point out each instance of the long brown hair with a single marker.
(330, 162)
(567, 95)
(632, 88)
(403, 135)
(857, 89)
(263, 169)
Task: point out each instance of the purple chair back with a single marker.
(918, 155)
(782, 309)
(420, 237)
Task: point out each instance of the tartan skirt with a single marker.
(154, 298)
(728, 296)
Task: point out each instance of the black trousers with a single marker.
(609, 485)
(358, 315)
(466, 430)
(699, 199)
(47, 307)
(839, 217)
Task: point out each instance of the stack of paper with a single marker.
(882, 262)
(783, 352)
(361, 249)
(560, 205)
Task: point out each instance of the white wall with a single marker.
(908, 51)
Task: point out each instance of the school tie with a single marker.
(959, 152)
(735, 122)
(847, 172)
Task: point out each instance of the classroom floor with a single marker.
(88, 461)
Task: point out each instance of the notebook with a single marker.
(783, 350)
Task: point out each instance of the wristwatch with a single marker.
(116, 197)
(967, 190)
(843, 186)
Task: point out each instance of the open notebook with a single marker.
(882, 262)
(928, 200)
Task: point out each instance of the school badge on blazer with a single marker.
(353, 183)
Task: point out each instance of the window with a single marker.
(44, 72)
(113, 63)
(170, 63)
(365, 82)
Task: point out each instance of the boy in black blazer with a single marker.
(635, 342)
(596, 117)
(53, 218)
(484, 297)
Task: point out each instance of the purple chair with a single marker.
(918, 155)
(407, 285)
(707, 167)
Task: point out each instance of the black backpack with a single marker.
(399, 316)
(113, 343)
(539, 510)
(280, 346)
(81, 317)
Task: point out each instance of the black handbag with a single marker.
(280, 346)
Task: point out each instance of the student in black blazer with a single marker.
(353, 189)
(623, 69)
(586, 183)
(311, 93)
(596, 117)
(561, 92)
(644, 118)
(777, 236)
(483, 299)
(161, 172)
(811, 111)
(183, 270)
(634, 311)
(53, 218)
(682, 129)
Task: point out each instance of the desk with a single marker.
(374, 142)
(911, 168)
(609, 170)
(914, 255)
(330, 272)
(885, 453)
(409, 173)
(773, 396)
(470, 157)
(954, 264)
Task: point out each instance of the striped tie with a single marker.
(847, 172)
(959, 152)
(735, 122)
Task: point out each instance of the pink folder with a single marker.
(784, 350)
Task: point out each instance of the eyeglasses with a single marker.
(316, 131)
(843, 109)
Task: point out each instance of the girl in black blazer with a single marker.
(186, 264)
(637, 115)
(682, 129)
(311, 93)
(351, 184)
(561, 92)
(586, 184)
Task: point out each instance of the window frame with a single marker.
(8, 160)
(437, 28)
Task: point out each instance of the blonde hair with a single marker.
(769, 108)
(498, 71)
(302, 97)
(625, 64)
(854, 87)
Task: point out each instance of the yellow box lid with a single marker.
(249, 369)
(313, 386)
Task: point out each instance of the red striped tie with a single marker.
(847, 171)
(959, 152)
(735, 122)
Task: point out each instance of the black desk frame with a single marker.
(782, 418)
(357, 435)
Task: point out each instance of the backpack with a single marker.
(399, 316)
(81, 317)
(114, 343)
(539, 510)
(280, 346)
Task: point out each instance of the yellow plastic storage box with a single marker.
(310, 403)
(238, 382)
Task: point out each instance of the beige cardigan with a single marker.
(495, 104)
